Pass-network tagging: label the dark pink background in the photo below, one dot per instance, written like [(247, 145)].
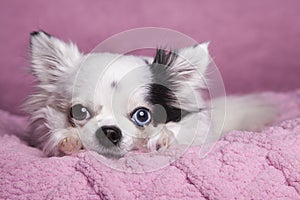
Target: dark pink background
[(254, 43)]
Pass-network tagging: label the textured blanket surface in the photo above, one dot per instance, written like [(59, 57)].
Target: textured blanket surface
[(242, 165)]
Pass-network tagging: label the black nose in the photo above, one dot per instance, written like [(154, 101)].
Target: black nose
[(109, 135)]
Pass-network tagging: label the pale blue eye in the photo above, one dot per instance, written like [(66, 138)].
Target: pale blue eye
[(79, 112), (141, 116)]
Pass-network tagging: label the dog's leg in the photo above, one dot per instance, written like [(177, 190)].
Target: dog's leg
[(70, 144), (161, 141)]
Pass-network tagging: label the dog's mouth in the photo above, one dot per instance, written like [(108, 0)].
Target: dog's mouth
[(120, 149)]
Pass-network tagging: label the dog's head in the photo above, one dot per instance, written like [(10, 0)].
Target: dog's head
[(115, 103)]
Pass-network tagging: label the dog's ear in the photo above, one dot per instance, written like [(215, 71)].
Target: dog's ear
[(187, 65), (178, 77), (181, 72), (51, 58), (192, 61)]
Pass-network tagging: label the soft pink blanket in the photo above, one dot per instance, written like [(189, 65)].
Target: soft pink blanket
[(242, 165)]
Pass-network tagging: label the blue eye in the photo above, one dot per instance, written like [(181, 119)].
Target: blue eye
[(141, 116)]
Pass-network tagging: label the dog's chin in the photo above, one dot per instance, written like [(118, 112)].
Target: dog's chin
[(110, 152)]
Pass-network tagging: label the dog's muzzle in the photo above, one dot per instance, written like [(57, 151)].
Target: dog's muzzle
[(109, 136)]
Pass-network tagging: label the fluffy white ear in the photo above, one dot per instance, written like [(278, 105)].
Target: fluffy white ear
[(174, 69), (51, 58), (197, 56), (181, 74)]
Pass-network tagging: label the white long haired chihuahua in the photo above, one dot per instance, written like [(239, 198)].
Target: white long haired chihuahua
[(113, 103)]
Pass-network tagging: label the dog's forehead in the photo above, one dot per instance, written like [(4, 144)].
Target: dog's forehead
[(103, 73), (111, 64)]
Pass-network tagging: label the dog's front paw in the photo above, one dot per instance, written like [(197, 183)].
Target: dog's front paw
[(162, 141), (69, 145)]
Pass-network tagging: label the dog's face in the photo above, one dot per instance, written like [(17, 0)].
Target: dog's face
[(115, 103)]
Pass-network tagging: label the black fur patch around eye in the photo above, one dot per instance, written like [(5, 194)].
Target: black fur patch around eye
[(161, 91), (163, 101)]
